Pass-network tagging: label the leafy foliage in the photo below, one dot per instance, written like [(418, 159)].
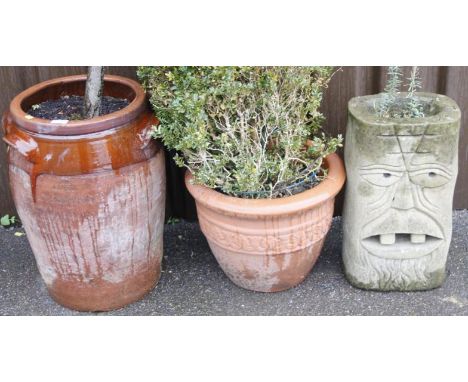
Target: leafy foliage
[(7, 220), (414, 105), (392, 104), (246, 131), (391, 90), (172, 220)]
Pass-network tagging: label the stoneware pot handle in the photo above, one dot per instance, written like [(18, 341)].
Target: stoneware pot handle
[(24, 144)]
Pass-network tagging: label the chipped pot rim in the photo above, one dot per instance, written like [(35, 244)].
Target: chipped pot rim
[(325, 190), (80, 127)]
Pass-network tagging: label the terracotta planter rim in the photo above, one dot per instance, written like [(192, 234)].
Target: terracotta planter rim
[(327, 189), (447, 110), (86, 126)]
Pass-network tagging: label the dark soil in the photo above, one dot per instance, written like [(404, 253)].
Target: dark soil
[(71, 107)]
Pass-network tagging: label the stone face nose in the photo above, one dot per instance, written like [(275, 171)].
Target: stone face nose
[(403, 198)]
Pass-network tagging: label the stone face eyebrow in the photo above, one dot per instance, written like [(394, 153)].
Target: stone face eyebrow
[(430, 166), (388, 160), (379, 166)]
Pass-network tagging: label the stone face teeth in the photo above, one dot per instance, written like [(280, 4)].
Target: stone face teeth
[(387, 239), (418, 238)]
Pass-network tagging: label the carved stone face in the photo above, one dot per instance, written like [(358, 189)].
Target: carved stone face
[(397, 218)]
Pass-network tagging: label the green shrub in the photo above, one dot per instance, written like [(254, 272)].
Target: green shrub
[(242, 130)]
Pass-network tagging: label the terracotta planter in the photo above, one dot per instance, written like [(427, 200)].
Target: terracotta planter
[(268, 245), (90, 194)]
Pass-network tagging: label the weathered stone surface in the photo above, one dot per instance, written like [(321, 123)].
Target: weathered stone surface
[(401, 176)]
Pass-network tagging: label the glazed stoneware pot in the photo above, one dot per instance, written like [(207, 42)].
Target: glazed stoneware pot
[(90, 195), (397, 217), (268, 245)]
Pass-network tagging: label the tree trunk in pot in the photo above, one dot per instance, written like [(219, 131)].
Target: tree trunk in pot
[(93, 93)]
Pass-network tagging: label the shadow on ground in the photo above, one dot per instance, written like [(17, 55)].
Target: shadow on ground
[(193, 284)]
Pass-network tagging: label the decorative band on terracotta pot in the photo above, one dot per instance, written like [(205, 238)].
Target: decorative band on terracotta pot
[(397, 217), (90, 194), (268, 245)]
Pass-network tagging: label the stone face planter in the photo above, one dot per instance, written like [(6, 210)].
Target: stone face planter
[(397, 217), (268, 245), (90, 194)]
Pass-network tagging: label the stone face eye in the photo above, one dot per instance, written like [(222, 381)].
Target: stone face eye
[(430, 179), (381, 178)]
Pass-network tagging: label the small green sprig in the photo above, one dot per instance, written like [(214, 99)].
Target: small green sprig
[(391, 90), (391, 105), (7, 220), (415, 84)]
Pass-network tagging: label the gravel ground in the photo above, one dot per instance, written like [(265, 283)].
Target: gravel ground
[(193, 284)]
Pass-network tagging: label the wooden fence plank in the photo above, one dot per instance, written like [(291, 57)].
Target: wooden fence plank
[(457, 88)]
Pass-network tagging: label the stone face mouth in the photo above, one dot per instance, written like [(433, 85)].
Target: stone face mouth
[(401, 245)]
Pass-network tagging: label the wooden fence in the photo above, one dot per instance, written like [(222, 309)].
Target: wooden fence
[(346, 83)]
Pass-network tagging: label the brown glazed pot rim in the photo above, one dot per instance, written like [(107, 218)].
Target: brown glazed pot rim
[(93, 125), (327, 189)]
